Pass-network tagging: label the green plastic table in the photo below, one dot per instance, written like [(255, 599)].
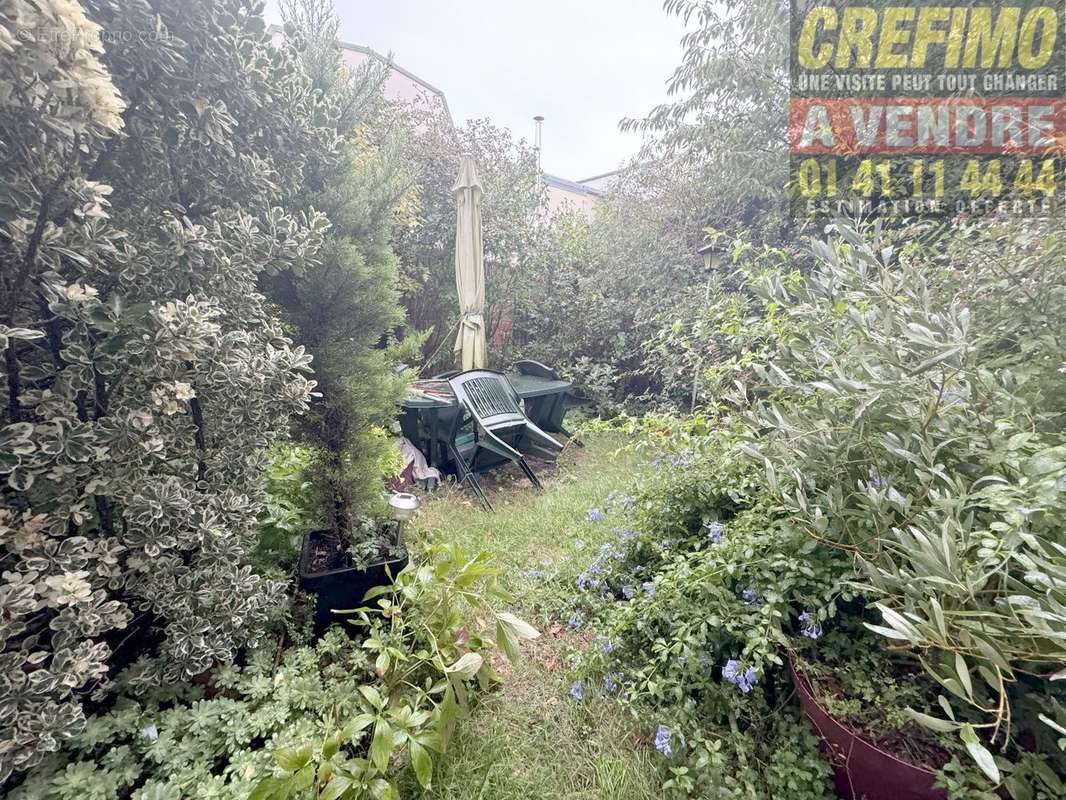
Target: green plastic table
[(428, 407)]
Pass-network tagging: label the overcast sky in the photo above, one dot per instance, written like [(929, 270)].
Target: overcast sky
[(582, 64)]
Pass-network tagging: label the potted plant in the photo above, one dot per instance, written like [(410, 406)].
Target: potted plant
[(864, 701), (340, 574), (863, 769)]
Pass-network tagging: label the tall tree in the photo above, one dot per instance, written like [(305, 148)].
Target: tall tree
[(344, 307), (728, 113)]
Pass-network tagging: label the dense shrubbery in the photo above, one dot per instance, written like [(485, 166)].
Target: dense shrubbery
[(145, 375), (344, 717), (893, 458), (598, 289), (915, 420), (693, 602)]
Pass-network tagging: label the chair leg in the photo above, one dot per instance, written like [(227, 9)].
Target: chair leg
[(466, 475), (529, 473), (476, 486)]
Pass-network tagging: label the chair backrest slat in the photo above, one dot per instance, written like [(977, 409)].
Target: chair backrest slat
[(489, 396)]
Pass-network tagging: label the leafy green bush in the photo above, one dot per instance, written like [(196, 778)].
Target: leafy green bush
[(343, 718), (345, 307), (915, 420), (692, 602), (288, 512), (144, 373)]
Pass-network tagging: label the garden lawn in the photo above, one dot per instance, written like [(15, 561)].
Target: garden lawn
[(529, 740)]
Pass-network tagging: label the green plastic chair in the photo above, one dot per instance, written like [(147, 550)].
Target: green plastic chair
[(499, 430)]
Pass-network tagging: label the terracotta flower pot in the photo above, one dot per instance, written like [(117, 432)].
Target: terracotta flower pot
[(861, 770)]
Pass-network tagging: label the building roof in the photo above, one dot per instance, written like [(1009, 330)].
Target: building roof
[(389, 62), (610, 174), (570, 186)]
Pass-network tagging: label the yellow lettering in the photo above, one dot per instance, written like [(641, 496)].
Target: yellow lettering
[(821, 18), (1047, 21), (857, 37), (893, 34), (991, 41), (926, 35)]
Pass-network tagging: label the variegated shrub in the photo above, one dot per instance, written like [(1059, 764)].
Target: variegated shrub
[(145, 153)]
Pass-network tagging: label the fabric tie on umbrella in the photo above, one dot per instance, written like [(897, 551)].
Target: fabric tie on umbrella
[(469, 268)]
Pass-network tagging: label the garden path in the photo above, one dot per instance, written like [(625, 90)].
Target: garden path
[(529, 740)]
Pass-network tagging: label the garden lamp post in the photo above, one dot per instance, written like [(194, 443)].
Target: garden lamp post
[(712, 260), (403, 505)]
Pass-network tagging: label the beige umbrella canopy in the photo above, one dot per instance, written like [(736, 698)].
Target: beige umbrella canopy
[(469, 268)]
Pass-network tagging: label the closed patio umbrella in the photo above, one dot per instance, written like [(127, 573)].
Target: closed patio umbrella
[(469, 268)]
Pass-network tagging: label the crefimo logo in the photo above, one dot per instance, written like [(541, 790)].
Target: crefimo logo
[(916, 108), (904, 37)]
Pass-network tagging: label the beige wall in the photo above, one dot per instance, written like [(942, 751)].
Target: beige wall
[(560, 199), (399, 87)]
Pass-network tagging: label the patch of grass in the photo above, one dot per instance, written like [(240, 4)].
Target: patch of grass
[(529, 740)]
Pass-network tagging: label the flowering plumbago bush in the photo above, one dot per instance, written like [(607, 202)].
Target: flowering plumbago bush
[(692, 600), (144, 374), (930, 446)]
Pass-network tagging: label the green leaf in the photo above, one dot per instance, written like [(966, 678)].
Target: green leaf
[(466, 667), (520, 628), (373, 696), (267, 788), (382, 789), (381, 746), (422, 764), (964, 675), (291, 759), (979, 753), (337, 786), (933, 723)]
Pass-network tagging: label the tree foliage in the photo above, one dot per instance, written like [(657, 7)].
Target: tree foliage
[(510, 210), (145, 374), (344, 307)]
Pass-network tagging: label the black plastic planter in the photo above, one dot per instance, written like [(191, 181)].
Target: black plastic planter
[(344, 587)]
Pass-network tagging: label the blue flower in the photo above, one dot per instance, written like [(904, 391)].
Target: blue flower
[(607, 646), (575, 620), (582, 581), (744, 680), (595, 515), (662, 741), (751, 597), (1027, 512), (610, 684), (628, 592), (715, 532), (1062, 482), (577, 690), (649, 588), (811, 628), (876, 481), (657, 464)]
